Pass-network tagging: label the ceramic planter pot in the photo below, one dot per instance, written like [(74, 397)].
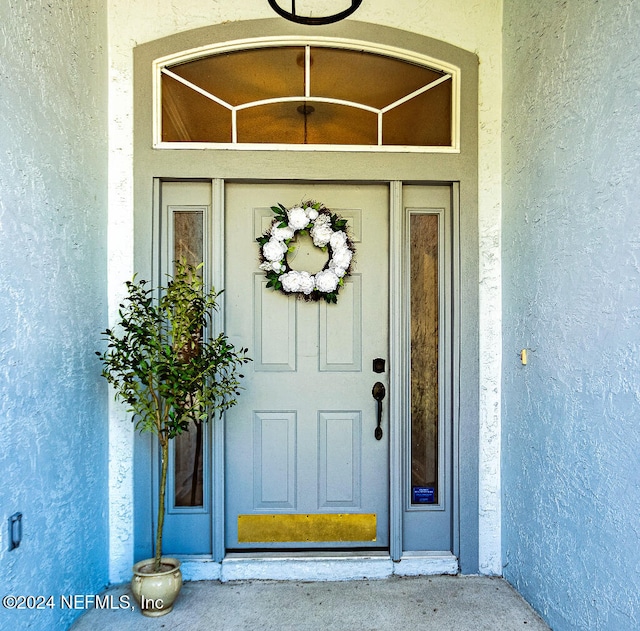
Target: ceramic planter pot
[(156, 592)]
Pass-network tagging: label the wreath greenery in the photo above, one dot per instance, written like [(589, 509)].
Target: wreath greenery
[(328, 231)]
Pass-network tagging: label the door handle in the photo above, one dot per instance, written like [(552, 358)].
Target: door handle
[(379, 392)]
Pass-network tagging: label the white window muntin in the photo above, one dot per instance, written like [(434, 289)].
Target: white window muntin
[(452, 73)]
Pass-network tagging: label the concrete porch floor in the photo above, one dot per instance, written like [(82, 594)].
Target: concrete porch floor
[(438, 603)]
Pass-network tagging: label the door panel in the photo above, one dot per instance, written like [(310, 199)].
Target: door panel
[(274, 449), (301, 440), (340, 341)]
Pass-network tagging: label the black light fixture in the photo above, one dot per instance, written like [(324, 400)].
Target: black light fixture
[(292, 16)]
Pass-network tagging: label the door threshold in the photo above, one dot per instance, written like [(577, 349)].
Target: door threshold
[(320, 567)]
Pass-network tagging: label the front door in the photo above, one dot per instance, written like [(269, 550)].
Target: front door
[(303, 466)]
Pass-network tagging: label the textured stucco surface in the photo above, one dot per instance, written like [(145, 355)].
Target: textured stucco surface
[(468, 24), (571, 267), (53, 411)]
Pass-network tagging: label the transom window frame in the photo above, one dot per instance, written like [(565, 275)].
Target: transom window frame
[(451, 72)]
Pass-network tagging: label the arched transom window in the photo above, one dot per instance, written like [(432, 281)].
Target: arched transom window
[(306, 95)]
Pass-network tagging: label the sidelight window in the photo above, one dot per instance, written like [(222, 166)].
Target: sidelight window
[(425, 335)]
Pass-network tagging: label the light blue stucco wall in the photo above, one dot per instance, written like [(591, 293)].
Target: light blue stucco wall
[(571, 266), (53, 416)]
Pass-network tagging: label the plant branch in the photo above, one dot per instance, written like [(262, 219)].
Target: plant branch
[(162, 366)]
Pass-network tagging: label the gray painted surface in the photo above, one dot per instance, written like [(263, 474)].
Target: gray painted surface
[(571, 474), (53, 403), (301, 438)]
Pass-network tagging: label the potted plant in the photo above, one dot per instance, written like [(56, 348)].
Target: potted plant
[(170, 375)]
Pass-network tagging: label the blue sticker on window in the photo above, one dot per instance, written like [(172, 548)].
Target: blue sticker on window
[(423, 495)]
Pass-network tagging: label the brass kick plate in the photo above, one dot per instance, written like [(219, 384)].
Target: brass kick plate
[(283, 528)]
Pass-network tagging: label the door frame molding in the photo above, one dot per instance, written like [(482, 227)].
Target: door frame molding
[(457, 169), (396, 372), (399, 322), (217, 258)]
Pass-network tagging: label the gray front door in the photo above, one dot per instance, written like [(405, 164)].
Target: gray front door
[(303, 468)]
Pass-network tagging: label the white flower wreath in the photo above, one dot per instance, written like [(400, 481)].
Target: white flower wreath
[(327, 230)]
